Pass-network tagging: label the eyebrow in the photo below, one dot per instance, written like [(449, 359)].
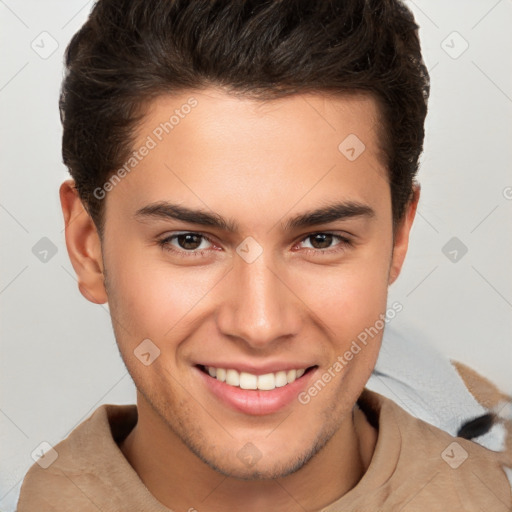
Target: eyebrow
[(330, 213)]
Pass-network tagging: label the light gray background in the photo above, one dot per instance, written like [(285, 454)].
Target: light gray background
[(59, 360)]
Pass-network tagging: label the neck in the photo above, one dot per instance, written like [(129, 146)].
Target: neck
[(181, 481)]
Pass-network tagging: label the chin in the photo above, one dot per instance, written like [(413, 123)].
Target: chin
[(270, 471), (250, 464)]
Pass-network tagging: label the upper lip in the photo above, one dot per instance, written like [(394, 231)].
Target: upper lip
[(259, 369)]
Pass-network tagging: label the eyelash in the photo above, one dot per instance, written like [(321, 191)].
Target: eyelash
[(343, 244)]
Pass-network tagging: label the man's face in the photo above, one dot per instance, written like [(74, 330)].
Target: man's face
[(265, 298)]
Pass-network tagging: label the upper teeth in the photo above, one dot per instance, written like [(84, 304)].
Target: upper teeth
[(246, 380)]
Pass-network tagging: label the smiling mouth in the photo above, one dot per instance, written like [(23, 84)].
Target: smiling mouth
[(249, 381)]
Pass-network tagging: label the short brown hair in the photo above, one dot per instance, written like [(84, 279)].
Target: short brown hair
[(131, 51)]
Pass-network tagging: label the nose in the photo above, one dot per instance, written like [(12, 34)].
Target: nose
[(258, 306)]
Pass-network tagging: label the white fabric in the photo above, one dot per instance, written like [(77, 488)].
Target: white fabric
[(421, 380)]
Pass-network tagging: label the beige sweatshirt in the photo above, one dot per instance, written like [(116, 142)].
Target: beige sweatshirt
[(415, 467)]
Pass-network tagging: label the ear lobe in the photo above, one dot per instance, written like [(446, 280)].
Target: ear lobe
[(83, 245), (401, 239)]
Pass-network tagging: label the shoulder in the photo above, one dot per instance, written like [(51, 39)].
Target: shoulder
[(45, 490), (438, 471), (81, 458)]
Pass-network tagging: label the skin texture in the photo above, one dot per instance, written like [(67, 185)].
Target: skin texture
[(259, 164)]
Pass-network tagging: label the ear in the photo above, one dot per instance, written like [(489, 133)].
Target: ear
[(83, 244), (401, 238)]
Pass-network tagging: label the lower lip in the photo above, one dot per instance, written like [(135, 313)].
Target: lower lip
[(256, 402)]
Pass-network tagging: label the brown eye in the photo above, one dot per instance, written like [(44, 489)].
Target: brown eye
[(189, 241), (321, 240), (186, 244), (325, 243)]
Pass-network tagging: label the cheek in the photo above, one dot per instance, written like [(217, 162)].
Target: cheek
[(348, 298), (150, 297)]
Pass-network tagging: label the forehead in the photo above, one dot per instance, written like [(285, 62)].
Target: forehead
[(205, 146), (218, 116)]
